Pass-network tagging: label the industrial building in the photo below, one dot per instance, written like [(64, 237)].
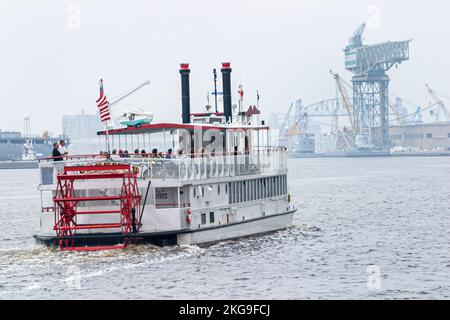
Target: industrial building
[(81, 126), (425, 136)]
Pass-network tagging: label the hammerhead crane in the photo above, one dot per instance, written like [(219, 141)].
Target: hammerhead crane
[(369, 65), (438, 102), (356, 39)]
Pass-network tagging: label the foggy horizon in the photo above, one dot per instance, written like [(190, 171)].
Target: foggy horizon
[(54, 53)]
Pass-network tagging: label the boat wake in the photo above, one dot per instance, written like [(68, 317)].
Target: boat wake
[(41, 268)]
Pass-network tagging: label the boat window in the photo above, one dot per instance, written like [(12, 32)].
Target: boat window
[(211, 217), (218, 189), (203, 218), (282, 185), (264, 188), (278, 185), (274, 186), (240, 192), (247, 191), (194, 192), (270, 186), (257, 189)]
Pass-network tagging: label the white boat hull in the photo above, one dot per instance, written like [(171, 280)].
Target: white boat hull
[(237, 230), (266, 224)]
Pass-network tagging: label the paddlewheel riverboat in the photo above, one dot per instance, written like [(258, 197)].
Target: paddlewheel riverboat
[(223, 180)]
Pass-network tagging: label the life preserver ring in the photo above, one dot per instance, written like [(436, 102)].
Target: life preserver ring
[(188, 216)]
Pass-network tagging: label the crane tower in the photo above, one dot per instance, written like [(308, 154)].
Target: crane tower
[(369, 64)]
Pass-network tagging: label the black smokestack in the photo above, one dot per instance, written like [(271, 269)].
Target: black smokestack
[(226, 80), (185, 96)]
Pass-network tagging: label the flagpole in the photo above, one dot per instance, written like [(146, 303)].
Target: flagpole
[(257, 99), (257, 106), (105, 114), (215, 89), (107, 138)]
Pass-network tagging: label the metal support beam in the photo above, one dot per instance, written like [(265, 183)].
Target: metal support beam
[(370, 100)]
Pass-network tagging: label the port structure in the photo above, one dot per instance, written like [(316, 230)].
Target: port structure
[(122, 206), (369, 64), (438, 102), (296, 124)]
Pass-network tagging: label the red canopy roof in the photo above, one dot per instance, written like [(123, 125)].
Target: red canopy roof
[(161, 127)]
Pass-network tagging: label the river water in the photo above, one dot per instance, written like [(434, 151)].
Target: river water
[(366, 228)]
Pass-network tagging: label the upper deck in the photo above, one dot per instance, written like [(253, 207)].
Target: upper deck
[(180, 169)]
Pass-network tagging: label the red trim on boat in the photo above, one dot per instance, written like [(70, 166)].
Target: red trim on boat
[(160, 127)]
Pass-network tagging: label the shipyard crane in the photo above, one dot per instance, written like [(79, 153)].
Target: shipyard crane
[(369, 64), (285, 125), (356, 39), (345, 99), (439, 103)]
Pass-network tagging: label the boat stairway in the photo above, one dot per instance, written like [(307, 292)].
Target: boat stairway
[(70, 204)]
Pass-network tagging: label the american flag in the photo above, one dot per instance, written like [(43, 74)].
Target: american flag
[(240, 91), (103, 105)]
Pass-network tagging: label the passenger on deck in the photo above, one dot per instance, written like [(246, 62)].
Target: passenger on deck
[(143, 153), (62, 149), (169, 154), (126, 154), (121, 153), (57, 156), (154, 153), (181, 155), (136, 153), (114, 154)]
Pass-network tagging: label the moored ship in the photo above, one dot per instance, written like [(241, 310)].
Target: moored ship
[(12, 145), (224, 181)]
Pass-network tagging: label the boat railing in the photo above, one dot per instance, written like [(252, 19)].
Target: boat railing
[(183, 168)]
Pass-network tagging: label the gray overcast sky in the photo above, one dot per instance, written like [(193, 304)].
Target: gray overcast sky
[(53, 52)]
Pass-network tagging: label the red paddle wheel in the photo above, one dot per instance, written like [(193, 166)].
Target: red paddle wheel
[(67, 199)]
